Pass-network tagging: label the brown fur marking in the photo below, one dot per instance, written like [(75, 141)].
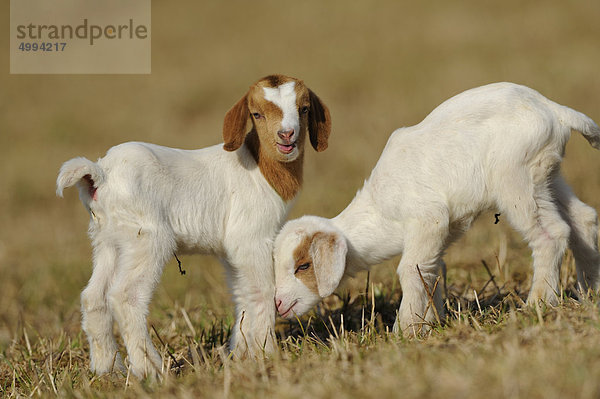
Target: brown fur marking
[(274, 80), (319, 123), (234, 125), (302, 256), (284, 177)]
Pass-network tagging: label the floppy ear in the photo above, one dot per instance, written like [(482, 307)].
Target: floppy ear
[(328, 252), (319, 122), (234, 126)]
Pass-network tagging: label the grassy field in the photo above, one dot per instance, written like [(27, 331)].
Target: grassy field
[(379, 66)]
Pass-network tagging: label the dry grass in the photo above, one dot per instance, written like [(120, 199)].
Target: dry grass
[(378, 66)]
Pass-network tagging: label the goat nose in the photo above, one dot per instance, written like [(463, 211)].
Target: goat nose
[(285, 134), (277, 304)]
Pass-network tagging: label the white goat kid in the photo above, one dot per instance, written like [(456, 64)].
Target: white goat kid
[(147, 202), (494, 147)]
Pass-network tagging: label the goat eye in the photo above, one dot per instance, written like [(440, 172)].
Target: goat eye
[(304, 110), (303, 266), (256, 115)]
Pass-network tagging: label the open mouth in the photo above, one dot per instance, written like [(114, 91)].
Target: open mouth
[(286, 148), (287, 312)]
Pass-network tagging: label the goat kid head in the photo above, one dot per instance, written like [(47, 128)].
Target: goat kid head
[(281, 109), (310, 260)]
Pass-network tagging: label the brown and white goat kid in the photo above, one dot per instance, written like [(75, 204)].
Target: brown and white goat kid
[(148, 202), (493, 147)]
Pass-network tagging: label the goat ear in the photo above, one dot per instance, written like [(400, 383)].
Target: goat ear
[(328, 252), (234, 126), (319, 123)]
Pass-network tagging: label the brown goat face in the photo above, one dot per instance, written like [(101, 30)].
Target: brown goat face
[(279, 110), (282, 110)]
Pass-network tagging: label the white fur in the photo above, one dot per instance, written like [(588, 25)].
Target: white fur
[(284, 97), (152, 201), (494, 147)]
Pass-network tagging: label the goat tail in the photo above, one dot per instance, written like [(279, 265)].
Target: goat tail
[(87, 175), (582, 123)]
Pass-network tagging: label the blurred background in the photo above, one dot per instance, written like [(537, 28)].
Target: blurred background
[(377, 65)]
